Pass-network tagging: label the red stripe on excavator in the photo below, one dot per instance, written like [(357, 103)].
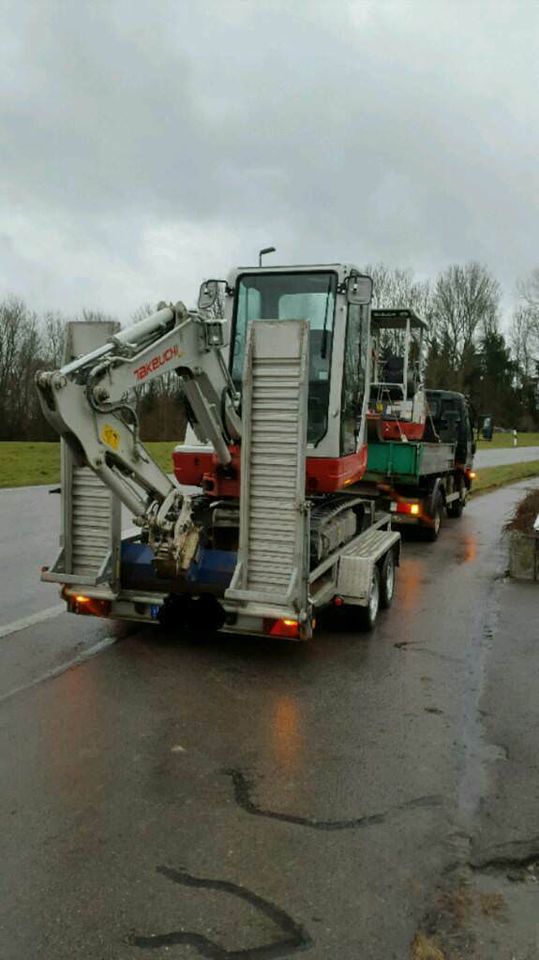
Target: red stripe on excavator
[(329, 474), (323, 474)]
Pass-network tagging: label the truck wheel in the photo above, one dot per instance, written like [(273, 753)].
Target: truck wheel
[(455, 508), (366, 616), (387, 580), (431, 533)]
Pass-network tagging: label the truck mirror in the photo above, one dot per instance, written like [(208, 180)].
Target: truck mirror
[(208, 294), (359, 289)]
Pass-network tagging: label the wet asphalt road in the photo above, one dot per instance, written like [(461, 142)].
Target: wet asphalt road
[(213, 797), (495, 458), (29, 521)]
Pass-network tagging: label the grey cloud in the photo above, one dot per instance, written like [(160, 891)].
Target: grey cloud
[(356, 130)]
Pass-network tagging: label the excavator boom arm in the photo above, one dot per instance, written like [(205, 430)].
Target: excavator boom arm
[(89, 401)]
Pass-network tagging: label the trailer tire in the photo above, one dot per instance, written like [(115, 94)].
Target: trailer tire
[(366, 617), (436, 515), (387, 580)]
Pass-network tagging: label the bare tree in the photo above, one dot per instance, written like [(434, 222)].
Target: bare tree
[(525, 324), (397, 288), (524, 338), (53, 337), (528, 289), (466, 300), (98, 316), (19, 359)]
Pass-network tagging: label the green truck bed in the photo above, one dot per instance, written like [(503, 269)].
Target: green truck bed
[(408, 462)]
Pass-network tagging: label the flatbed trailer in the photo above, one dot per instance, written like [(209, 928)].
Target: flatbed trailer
[(270, 535)]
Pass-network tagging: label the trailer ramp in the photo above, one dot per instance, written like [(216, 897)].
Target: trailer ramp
[(271, 575), (90, 513)]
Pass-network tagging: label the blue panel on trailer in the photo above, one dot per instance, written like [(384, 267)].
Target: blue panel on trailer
[(136, 552), (138, 557), (213, 566)]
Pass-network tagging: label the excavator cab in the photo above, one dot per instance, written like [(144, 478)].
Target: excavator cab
[(335, 299), (291, 296), (397, 408)]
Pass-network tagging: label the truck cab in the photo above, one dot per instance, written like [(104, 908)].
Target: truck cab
[(450, 420)]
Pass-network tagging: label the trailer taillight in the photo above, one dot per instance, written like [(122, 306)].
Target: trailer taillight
[(282, 628), (412, 509), (88, 606)]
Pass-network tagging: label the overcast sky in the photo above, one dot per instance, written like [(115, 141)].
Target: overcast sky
[(147, 145)]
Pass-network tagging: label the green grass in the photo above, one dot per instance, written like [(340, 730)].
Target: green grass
[(492, 477), (162, 453), (501, 440), (25, 464)]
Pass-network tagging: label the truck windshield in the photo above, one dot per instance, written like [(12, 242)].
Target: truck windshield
[(291, 296)]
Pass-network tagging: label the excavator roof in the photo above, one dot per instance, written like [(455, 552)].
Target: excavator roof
[(396, 319), (343, 269)]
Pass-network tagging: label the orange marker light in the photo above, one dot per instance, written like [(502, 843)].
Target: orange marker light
[(87, 606), (414, 509), (282, 628)]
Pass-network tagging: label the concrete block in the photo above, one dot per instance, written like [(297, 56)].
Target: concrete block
[(523, 556)]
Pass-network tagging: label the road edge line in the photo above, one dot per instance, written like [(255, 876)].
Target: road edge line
[(34, 618), (63, 668)]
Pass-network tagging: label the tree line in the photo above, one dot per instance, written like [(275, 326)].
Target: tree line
[(30, 342), (467, 350)]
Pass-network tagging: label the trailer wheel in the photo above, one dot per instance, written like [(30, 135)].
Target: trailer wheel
[(366, 616), (436, 515), (387, 580)]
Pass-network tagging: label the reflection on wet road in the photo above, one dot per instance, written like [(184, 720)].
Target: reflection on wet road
[(232, 798)]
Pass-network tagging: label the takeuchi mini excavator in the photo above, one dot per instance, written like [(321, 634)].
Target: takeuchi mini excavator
[(397, 407), (260, 526)]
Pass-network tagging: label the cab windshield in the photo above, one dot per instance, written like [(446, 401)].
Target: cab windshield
[(291, 296)]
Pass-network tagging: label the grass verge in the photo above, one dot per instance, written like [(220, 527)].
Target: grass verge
[(27, 464), (503, 440), (492, 477)]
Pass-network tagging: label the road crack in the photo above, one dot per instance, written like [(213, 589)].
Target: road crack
[(243, 789), (295, 937), (514, 864)]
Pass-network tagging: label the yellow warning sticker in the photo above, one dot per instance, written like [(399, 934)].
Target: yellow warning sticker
[(110, 436)]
